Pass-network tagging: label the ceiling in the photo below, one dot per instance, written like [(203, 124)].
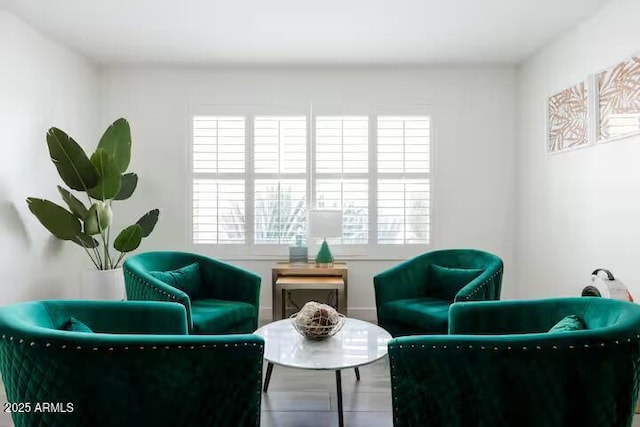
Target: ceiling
[(304, 32)]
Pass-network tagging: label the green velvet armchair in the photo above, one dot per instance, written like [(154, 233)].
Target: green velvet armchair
[(501, 367), (139, 367), (413, 298), (219, 298)]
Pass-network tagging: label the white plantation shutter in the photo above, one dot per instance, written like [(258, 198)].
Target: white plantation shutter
[(352, 196), (342, 144), (280, 186), (280, 144), (280, 210), (218, 193), (342, 172), (403, 211), (403, 144), (218, 144), (403, 187), (252, 186), (218, 211)]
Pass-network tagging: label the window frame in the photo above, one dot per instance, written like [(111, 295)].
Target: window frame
[(367, 252)]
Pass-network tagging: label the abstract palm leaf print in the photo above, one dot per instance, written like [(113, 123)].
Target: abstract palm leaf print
[(619, 99), (568, 118)]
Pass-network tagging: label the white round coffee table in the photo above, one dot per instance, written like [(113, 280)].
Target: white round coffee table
[(358, 343)]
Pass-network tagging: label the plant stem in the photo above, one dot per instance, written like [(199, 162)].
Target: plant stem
[(97, 252), (100, 264), (89, 253), (119, 259), (91, 258), (106, 250), (106, 247)]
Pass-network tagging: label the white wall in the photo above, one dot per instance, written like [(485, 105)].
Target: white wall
[(473, 117), (577, 210), (42, 84)]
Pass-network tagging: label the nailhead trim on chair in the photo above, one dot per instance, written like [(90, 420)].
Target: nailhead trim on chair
[(525, 348), (482, 285), (149, 285), (167, 347)]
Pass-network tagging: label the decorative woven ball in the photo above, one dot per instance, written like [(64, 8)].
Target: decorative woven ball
[(317, 321)]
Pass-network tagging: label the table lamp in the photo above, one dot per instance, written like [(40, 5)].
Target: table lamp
[(325, 223)]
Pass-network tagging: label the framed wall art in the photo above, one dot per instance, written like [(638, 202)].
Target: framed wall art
[(619, 100), (567, 119)]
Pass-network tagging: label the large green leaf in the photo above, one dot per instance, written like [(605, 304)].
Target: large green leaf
[(72, 163), (148, 222), (128, 186), (116, 140), (129, 239), (76, 206), (110, 179), (85, 241), (98, 218), (59, 221)]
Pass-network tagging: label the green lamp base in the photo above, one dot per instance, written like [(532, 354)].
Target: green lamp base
[(324, 257)]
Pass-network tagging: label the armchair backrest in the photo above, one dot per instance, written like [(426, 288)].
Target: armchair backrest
[(500, 367), (486, 286), (158, 376), (410, 278)]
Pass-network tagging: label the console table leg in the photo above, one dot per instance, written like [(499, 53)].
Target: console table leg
[(357, 374), (339, 387), (267, 377)]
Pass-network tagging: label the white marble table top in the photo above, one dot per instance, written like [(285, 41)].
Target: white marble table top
[(357, 343)]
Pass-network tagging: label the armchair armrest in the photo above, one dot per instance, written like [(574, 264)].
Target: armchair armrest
[(483, 288), (141, 286), (132, 317), (406, 280)]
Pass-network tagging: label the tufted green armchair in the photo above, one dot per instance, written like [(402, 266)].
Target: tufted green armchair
[(138, 368), (413, 298), (225, 300), (500, 367)]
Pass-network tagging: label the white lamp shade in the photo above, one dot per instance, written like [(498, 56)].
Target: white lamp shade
[(325, 223)]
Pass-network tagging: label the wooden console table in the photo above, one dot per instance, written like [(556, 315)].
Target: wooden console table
[(286, 277)]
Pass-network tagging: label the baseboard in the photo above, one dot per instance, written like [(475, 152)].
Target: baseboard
[(366, 314)]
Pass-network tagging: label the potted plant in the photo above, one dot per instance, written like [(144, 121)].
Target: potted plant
[(103, 178)]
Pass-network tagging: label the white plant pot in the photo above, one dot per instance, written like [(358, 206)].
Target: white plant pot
[(103, 284)]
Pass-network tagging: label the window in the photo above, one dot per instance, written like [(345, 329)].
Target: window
[(403, 194), (256, 176), (280, 172), (219, 180), (342, 173)]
